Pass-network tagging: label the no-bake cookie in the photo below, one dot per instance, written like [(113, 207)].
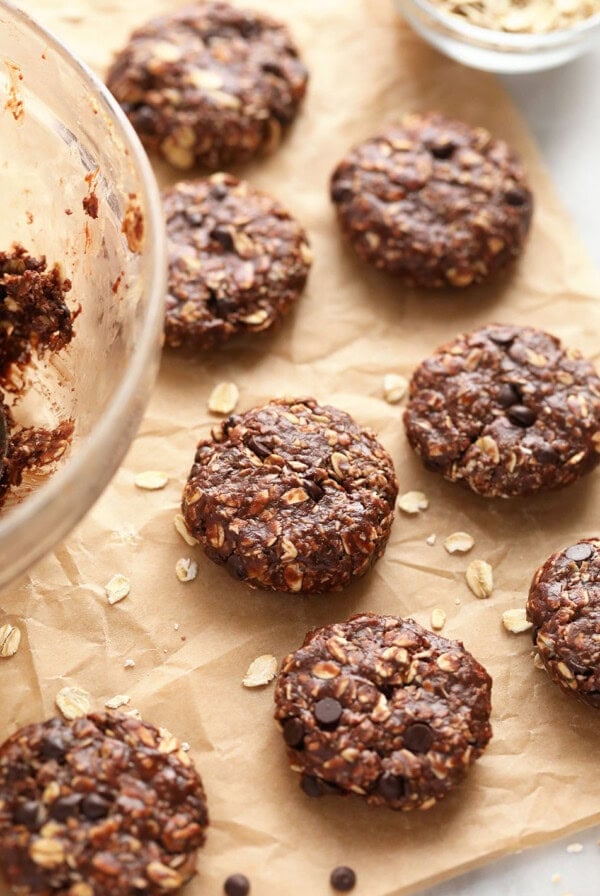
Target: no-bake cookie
[(506, 410), (103, 804), (564, 607), (210, 84), (435, 201), (237, 261), (383, 708), (292, 496)]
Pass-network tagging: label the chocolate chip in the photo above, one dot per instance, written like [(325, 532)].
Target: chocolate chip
[(29, 814), (93, 807), (502, 335), (312, 786), (237, 885), (145, 120), (578, 669), (313, 489), (218, 191), (223, 237), (521, 415), (341, 194), (515, 197), (258, 447), (236, 566), (328, 711), (547, 455), (271, 68), (53, 747), (443, 149), (293, 732), (342, 879), (65, 806), (391, 787), (579, 552), (507, 395), (418, 738)]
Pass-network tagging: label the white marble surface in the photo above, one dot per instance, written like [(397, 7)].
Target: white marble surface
[(563, 109)]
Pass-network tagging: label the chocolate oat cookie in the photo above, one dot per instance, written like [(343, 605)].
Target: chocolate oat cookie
[(564, 606), (237, 261), (381, 707), (103, 804), (209, 85), (433, 200), (292, 496), (507, 411)]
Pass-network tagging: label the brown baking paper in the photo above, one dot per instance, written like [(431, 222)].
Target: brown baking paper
[(192, 643)]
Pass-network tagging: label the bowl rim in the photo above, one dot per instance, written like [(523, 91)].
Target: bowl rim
[(54, 491), (508, 39)]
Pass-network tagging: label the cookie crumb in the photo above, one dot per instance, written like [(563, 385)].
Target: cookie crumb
[(223, 398), (261, 671), (538, 661), (151, 480), (186, 569), (73, 702), (182, 529), (10, 638), (395, 387), (176, 626), (129, 664), (117, 588), (516, 621), (117, 701), (431, 539), (459, 543), (413, 502), (556, 878)]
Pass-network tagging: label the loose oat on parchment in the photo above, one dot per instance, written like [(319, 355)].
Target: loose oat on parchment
[(521, 16)]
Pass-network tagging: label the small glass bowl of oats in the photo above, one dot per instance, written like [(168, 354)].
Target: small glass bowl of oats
[(507, 36), (79, 192)]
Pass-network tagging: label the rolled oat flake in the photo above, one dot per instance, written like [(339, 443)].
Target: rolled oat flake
[(521, 16)]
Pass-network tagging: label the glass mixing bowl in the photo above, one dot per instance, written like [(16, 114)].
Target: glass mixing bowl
[(65, 140), (498, 51)]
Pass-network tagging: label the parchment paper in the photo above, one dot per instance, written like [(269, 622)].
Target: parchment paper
[(193, 642)]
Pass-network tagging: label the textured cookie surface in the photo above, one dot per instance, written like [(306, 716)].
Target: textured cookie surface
[(103, 804), (435, 201), (564, 606), (237, 261), (506, 410), (210, 84), (292, 496), (383, 708)]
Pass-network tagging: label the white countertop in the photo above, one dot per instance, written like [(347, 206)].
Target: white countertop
[(563, 109)]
